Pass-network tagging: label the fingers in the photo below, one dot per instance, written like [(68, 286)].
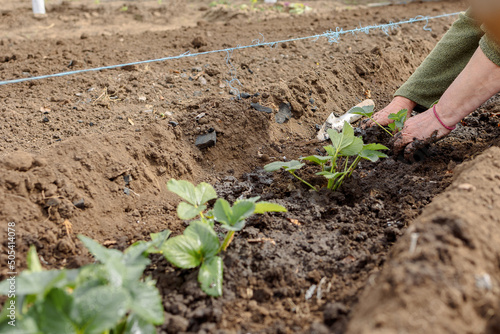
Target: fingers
[(413, 146), (399, 142)]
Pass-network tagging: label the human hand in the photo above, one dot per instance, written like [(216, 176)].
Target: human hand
[(382, 116), (418, 132)]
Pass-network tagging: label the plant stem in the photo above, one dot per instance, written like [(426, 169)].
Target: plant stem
[(354, 165), (227, 240), (383, 127), (304, 181)]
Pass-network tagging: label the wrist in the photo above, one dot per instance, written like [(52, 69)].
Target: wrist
[(404, 103)]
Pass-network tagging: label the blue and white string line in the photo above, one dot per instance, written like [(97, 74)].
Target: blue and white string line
[(331, 36)]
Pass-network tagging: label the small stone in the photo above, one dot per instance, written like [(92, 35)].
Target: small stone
[(284, 113), (91, 124), (80, 204), (173, 123), (129, 68), (142, 99), (245, 95), (197, 69), (466, 187), (202, 81), (206, 140), (53, 201), (311, 100), (317, 127), (45, 119), (259, 107), (84, 36)]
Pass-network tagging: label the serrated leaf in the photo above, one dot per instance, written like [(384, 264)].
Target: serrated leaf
[(211, 275), (204, 193), (99, 309), (186, 211), (183, 189), (183, 252), (232, 218), (53, 315), (33, 261), (196, 196), (318, 159), (352, 149), (206, 236), (263, 207), (146, 302), (343, 139)]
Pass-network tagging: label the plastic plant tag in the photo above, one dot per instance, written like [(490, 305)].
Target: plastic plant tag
[(337, 123)]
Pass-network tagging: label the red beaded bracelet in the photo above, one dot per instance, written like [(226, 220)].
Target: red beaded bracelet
[(440, 121)]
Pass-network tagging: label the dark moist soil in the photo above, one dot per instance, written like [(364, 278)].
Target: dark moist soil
[(335, 241)]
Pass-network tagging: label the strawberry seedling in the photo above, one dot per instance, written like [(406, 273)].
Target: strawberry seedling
[(199, 245), (291, 167), (344, 146), (105, 297), (399, 118)]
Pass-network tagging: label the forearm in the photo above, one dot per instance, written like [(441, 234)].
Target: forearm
[(477, 83), (444, 63)]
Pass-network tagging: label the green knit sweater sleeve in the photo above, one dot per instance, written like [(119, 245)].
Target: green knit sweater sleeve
[(445, 62), (490, 48)]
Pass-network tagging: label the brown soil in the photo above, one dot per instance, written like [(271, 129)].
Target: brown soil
[(90, 154)]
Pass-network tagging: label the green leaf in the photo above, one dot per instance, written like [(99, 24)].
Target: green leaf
[(187, 251), (206, 236), (352, 149), (204, 193), (318, 159), (196, 196), (290, 166), (53, 314), (187, 211), (33, 261), (366, 111), (371, 155), (263, 207), (146, 302), (34, 283), (330, 176), (343, 139), (183, 252), (399, 119), (211, 275), (137, 325), (99, 309), (233, 219), (184, 189), (392, 126), (100, 252), (157, 241), (374, 147)]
